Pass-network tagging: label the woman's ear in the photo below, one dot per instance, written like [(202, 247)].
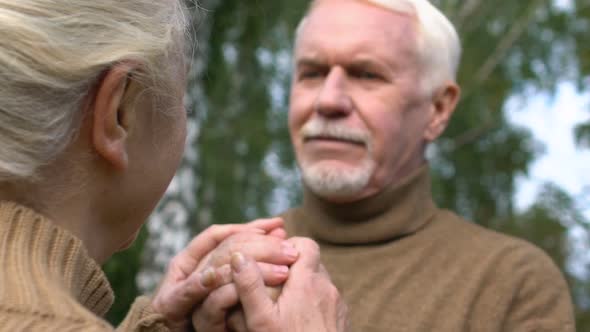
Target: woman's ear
[(111, 118), (443, 105)]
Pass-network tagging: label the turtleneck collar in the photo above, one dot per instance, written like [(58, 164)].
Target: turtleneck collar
[(36, 251), (398, 210)]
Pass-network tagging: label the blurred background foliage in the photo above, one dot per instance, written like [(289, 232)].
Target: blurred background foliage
[(239, 164)]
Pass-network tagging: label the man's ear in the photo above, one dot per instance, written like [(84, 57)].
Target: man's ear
[(111, 118), (444, 103)]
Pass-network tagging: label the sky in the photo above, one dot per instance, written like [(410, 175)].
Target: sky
[(551, 120)]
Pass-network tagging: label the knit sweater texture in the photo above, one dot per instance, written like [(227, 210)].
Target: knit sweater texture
[(48, 282), (402, 264)]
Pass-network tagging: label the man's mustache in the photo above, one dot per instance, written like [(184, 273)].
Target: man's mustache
[(317, 128)]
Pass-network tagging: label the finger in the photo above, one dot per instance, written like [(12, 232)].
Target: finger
[(278, 232), (188, 259), (267, 224), (236, 322), (211, 314), (309, 254), (273, 275), (198, 285), (251, 290), (179, 298), (225, 275), (261, 248), (322, 271)]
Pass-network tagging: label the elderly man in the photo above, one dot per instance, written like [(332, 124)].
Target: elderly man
[(373, 85)]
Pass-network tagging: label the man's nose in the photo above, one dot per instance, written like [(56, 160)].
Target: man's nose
[(333, 99)]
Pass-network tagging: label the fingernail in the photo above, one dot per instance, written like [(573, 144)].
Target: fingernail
[(281, 269), (289, 250), (238, 262), (208, 278)]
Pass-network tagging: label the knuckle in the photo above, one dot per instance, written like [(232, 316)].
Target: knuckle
[(325, 286), (235, 246), (332, 292), (225, 274), (260, 220), (214, 229), (306, 244), (235, 238), (174, 262), (217, 259), (308, 248)]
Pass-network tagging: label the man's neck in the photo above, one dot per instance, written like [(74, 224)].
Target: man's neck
[(398, 210)]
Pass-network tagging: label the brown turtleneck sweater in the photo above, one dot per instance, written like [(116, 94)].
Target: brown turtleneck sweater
[(404, 265), (49, 283)]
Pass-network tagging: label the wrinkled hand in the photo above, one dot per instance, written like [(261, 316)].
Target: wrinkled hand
[(272, 254), (308, 301), (183, 286)]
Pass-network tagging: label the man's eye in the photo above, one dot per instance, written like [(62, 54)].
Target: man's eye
[(365, 75), (310, 74)]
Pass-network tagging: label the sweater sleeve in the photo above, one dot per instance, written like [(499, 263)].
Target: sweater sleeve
[(541, 302), (141, 317)]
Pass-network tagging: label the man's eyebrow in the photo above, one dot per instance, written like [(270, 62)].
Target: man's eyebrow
[(364, 61), (353, 63), (309, 61)]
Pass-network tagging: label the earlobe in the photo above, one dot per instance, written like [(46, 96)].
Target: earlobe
[(443, 105), (110, 123)]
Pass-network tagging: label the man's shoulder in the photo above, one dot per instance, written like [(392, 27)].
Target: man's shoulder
[(465, 232), (472, 240), (513, 274)]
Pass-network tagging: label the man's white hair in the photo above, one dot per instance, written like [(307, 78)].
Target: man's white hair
[(438, 42)]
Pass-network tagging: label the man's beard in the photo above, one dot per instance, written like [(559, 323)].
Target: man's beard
[(342, 182), (337, 182)]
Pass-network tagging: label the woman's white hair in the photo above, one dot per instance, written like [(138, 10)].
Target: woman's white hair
[(52, 53), (438, 42)]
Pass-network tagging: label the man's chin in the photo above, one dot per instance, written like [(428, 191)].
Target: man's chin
[(337, 184)]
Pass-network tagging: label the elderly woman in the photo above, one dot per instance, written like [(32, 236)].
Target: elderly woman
[(92, 129)]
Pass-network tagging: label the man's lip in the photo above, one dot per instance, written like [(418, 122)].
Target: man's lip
[(332, 139)]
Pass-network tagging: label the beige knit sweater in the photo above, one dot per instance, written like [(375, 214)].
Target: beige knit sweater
[(49, 283), (404, 265)]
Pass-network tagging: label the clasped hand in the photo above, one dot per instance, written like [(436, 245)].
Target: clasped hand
[(249, 278)]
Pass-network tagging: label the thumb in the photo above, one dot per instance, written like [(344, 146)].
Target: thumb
[(257, 305)]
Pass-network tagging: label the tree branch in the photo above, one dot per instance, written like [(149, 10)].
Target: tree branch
[(507, 43)]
